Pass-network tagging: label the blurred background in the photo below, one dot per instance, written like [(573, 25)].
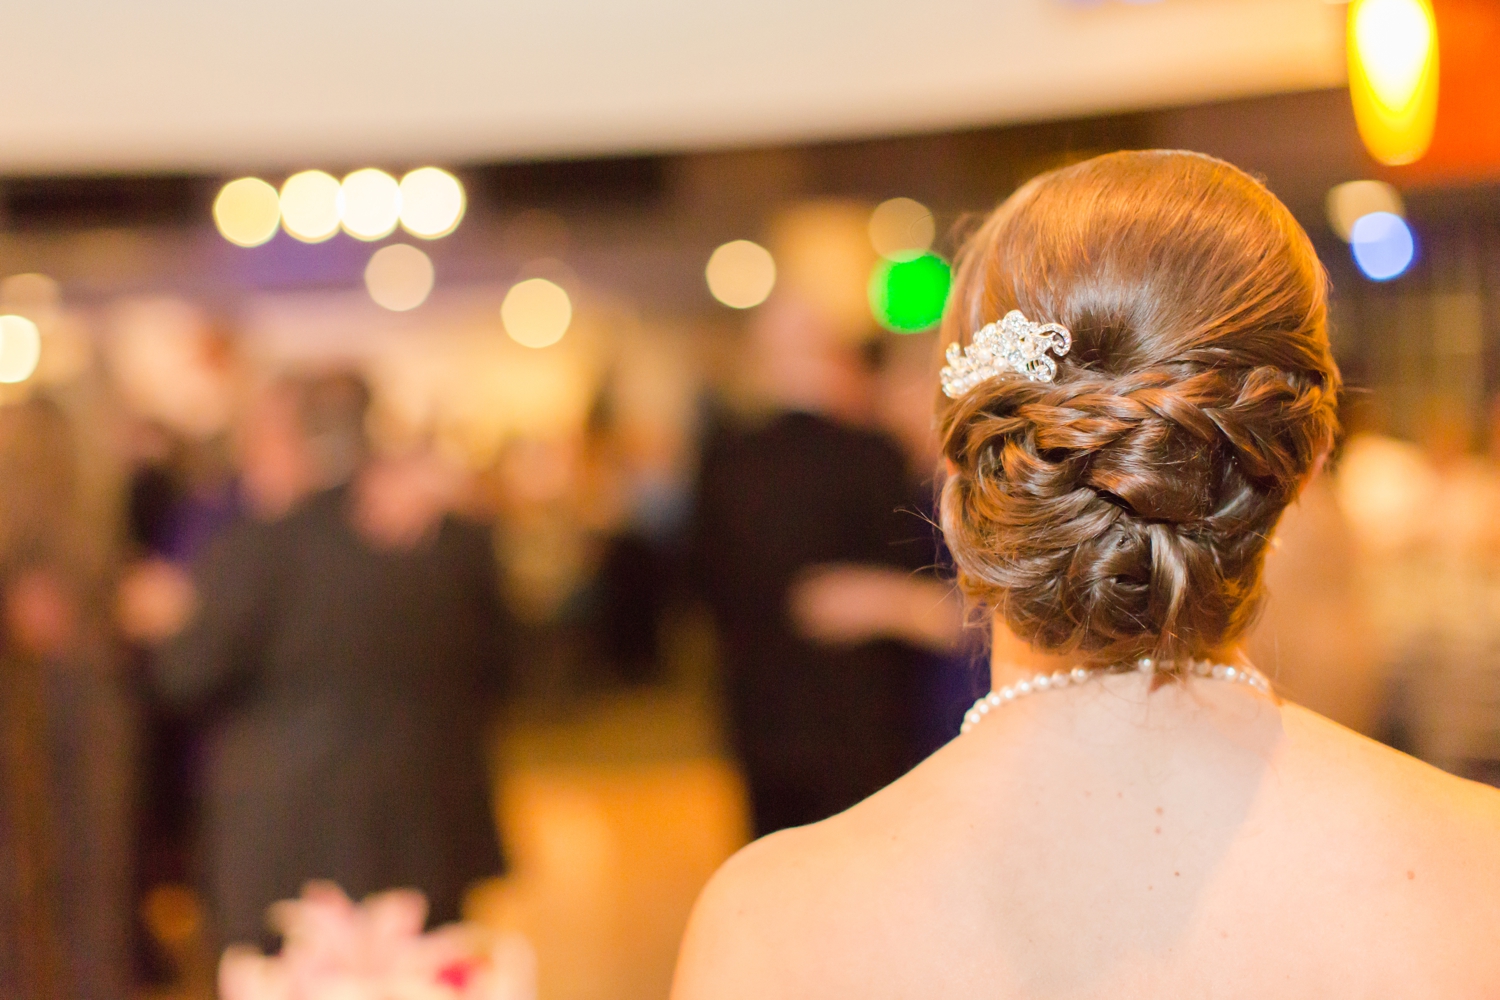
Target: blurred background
[(491, 443)]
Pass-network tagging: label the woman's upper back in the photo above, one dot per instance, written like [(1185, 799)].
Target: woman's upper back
[(1102, 842)]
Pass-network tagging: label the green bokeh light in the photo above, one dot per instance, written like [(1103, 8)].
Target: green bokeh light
[(908, 296)]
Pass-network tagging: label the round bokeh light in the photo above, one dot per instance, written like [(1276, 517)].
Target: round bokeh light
[(399, 277), (310, 206), (741, 274), (20, 348), (1351, 201), (901, 228), (1383, 245), (247, 211), (908, 296), (432, 202), (536, 312), (371, 204)]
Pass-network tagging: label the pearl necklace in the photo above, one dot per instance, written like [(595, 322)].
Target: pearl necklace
[(1063, 678)]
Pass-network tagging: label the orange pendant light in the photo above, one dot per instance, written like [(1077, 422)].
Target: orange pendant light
[(1393, 76)]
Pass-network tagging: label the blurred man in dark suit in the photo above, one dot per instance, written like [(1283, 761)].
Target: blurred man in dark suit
[(819, 721), (346, 653)]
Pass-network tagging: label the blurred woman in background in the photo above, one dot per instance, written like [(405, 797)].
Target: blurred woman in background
[(68, 753)]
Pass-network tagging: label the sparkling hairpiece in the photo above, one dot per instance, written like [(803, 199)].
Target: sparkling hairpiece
[(1014, 344)]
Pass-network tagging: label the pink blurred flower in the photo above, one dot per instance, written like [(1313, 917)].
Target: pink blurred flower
[(335, 949)]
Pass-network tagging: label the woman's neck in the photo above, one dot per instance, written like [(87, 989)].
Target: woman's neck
[(1012, 658)]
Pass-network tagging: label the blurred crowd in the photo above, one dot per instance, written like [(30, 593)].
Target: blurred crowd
[(268, 649), (278, 649)]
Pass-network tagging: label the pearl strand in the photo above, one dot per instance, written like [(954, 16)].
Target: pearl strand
[(1063, 678)]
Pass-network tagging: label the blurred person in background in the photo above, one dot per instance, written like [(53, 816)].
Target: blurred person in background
[(546, 532), (346, 644), (180, 493), (821, 699), (953, 673), (67, 730), (178, 374), (1427, 518), (914, 603), (642, 434), (1313, 638)]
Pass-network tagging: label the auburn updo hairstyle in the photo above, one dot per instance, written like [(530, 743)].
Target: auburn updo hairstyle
[(1124, 509)]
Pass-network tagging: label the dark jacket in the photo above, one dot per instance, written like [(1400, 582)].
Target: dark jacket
[(817, 728), (348, 693)]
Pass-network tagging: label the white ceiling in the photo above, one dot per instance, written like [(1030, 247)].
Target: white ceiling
[(217, 85)]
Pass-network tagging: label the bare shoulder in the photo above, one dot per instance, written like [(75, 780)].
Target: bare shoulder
[(1432, 839), (752, 918), (1375, 858), (819, 910), (1458, 812)]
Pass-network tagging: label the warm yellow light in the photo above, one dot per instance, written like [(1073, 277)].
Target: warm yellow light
[(432, 202), (20, 348), (310, 206), (901, 229), (371, 204), (1393, 76), (247, 211), (399, 277), (536, 312), (741, 274), (1393, 38), (1353, 200)]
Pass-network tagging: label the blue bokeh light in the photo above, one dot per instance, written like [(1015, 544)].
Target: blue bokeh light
[(1383, 245)]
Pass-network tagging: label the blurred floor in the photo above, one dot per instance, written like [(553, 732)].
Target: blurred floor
[(614, 820)]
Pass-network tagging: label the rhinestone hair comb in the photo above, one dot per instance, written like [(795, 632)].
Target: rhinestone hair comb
[(1014, 344)]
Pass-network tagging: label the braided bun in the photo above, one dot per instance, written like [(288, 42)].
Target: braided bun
[(1124, 509)]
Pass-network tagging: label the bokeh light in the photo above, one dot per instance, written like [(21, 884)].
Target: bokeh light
[(1352, 200), (741, 274), (247, 211), (371, 204), (908, 296), (1393, 76), (1393, 38), (399, 277), (1383, 245), (310, 206), (20, 348), (901, 228), (536, 312), (432, 202)]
